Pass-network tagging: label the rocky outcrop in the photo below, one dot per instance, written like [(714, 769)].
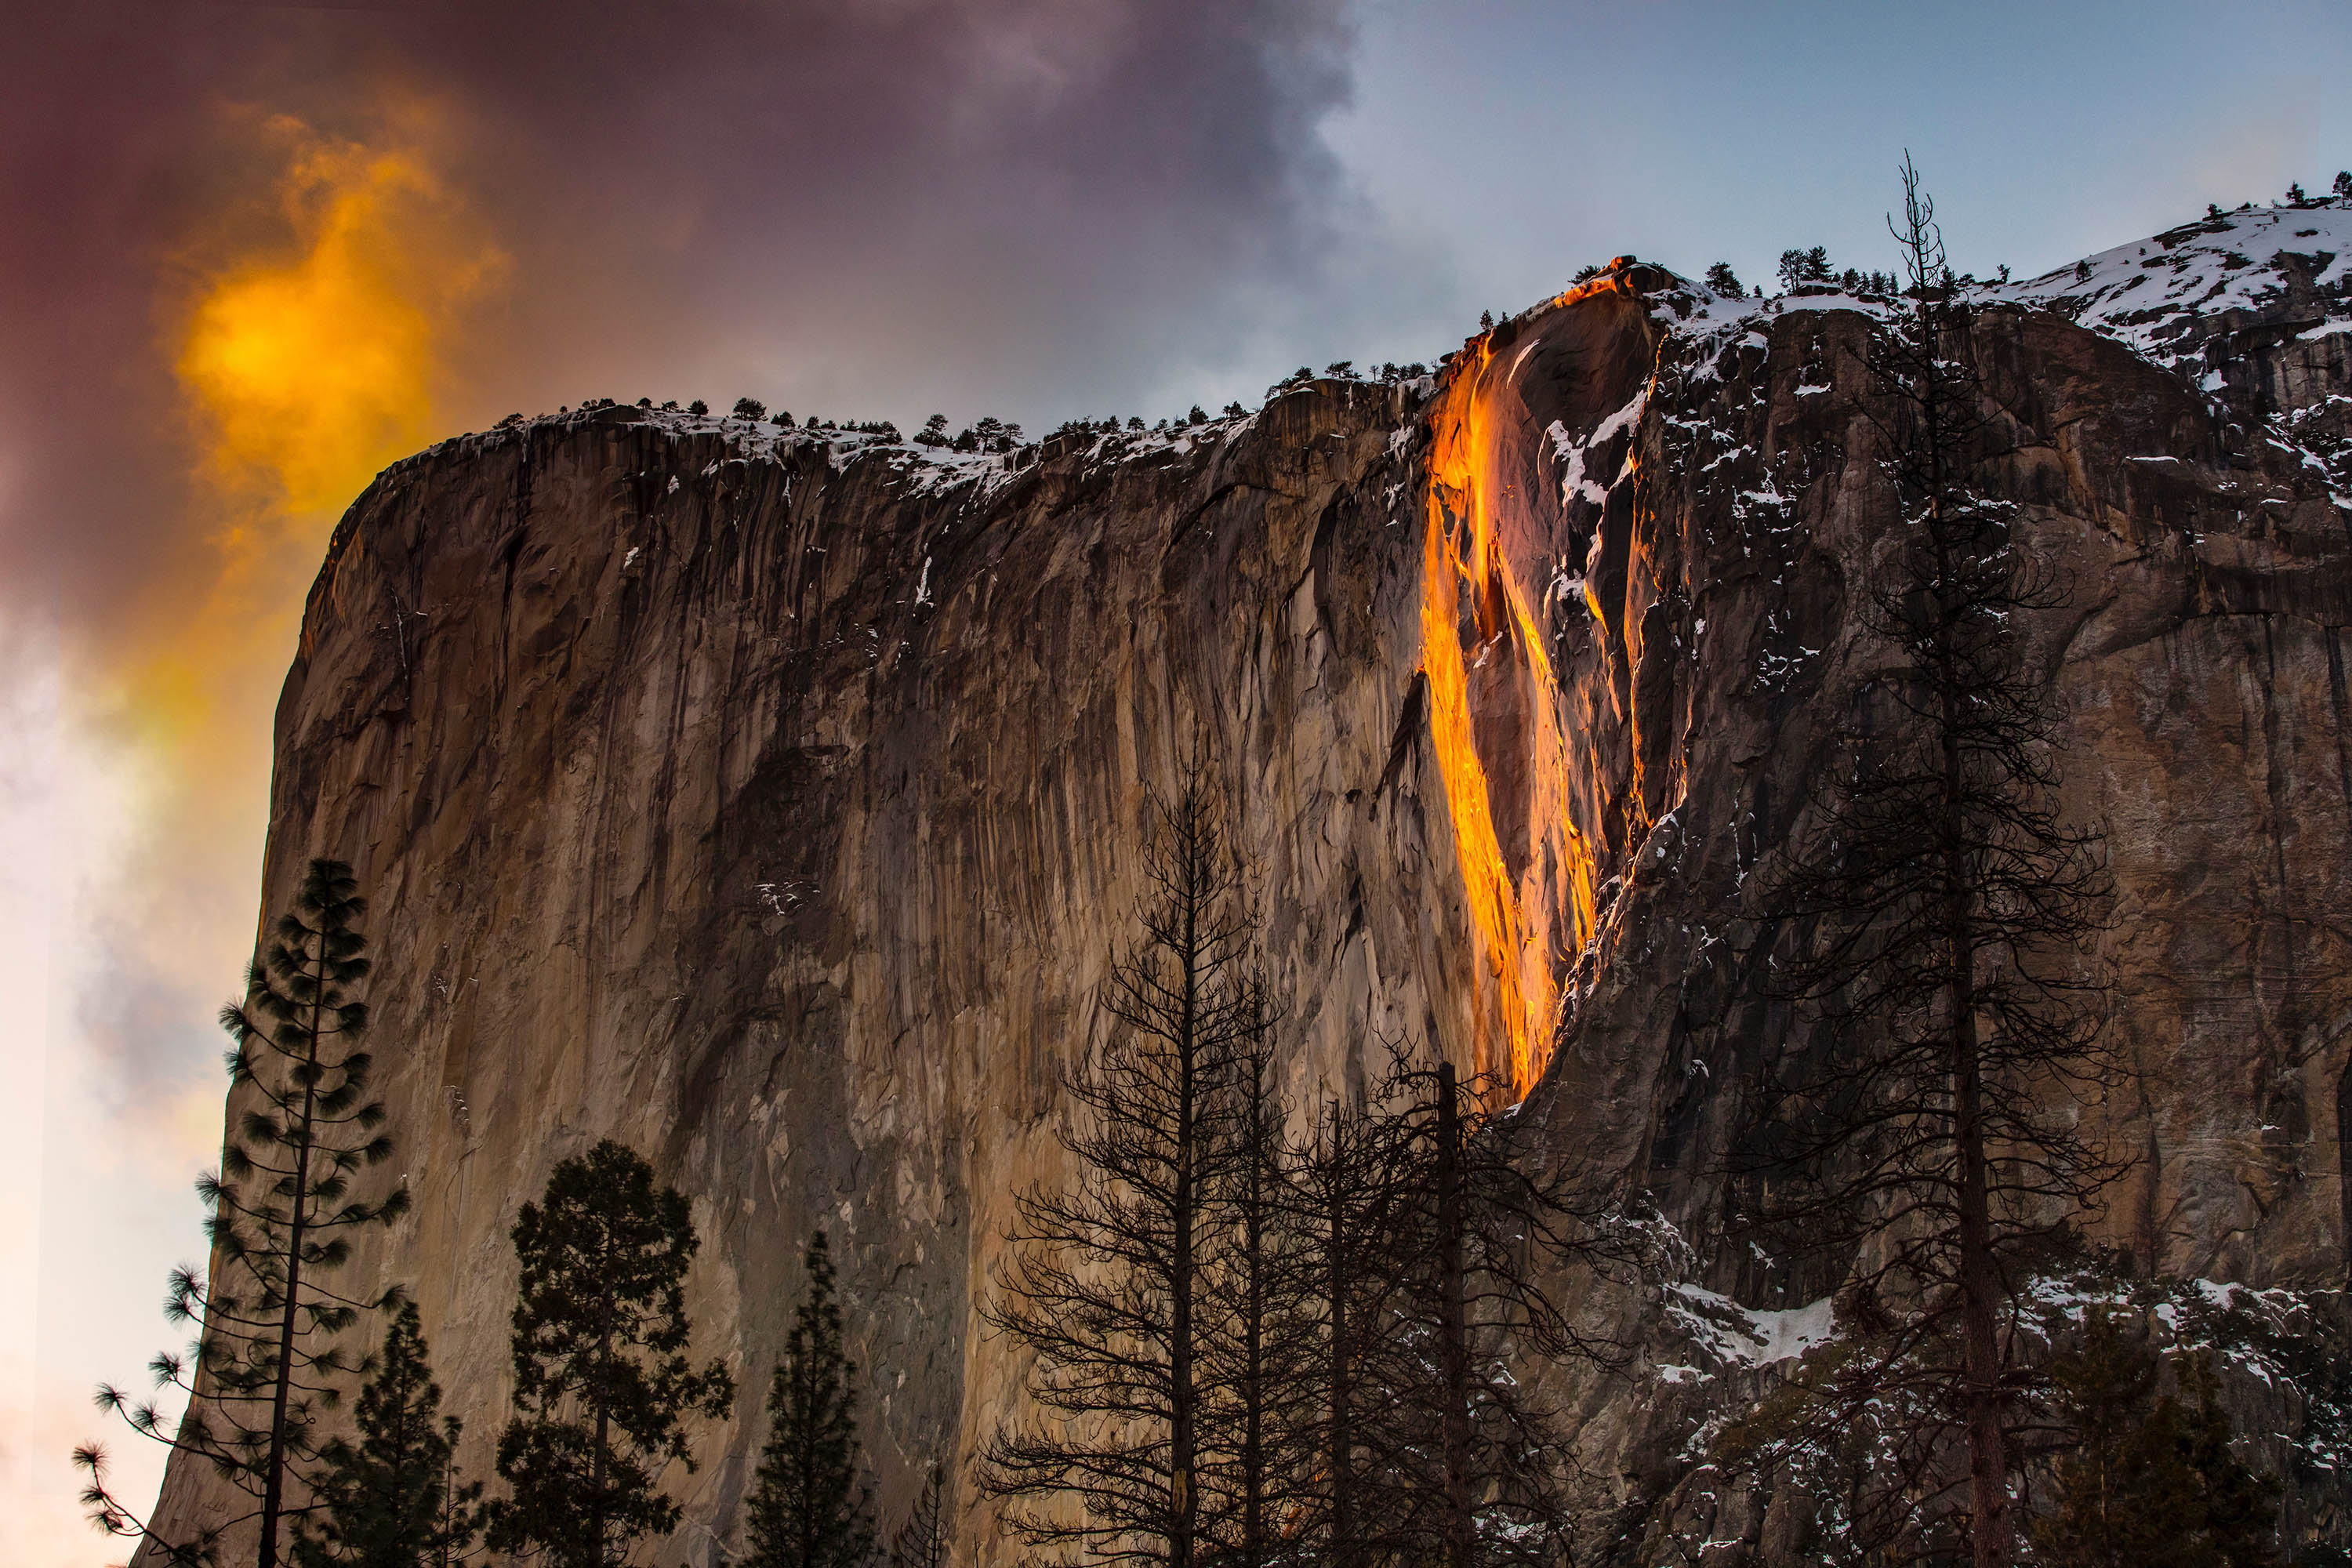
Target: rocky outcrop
[(773, 800)]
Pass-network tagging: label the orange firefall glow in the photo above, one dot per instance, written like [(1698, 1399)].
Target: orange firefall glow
[(1531, 928)]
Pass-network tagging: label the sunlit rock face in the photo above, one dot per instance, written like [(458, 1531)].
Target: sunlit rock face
[(774, 802)]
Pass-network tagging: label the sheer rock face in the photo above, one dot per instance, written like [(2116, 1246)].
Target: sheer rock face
[(776, 805)]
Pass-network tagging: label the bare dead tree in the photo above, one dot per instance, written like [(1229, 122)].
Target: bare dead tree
[(1105, 1281), (1256, 1358), (1348, 1194), (1935, 923), (1486, 1211)]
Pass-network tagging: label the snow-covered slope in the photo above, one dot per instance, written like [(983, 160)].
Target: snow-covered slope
[(2287, 270), (2253, 308)]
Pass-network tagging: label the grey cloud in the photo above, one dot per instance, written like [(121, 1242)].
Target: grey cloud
[(1033, 207)]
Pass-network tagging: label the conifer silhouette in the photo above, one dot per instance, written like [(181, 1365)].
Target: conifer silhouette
[(1107, 1282), (2148, 1479), (603, 1385), (810, 1506), (393, 1499), (922, 1542), (1937, 919), (269, 1360)]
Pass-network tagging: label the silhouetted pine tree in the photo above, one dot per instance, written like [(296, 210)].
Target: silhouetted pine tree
[(393, 1499), (1104, 1283), (1936, 919), (810, 1506), (922, 1540), (601, 1383), (268, 1357), (1798, 267)]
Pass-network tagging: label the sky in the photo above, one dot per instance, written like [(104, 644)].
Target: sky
[(251, 250)]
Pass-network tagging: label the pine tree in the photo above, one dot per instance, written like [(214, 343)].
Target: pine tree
[(603, 1385), (922, 1540), (1799, 267), (2149, 1481), (1105, 1282), (2235, 1504), (268, 1361), (1936, 921), (393, 1499), (1724, 282), (810, 1506), (2107, 1483)]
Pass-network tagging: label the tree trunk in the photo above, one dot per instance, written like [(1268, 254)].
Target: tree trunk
[(1342, 1455), (1452, 1328), (1990, 1529), (1183, 1437), (603, 1428), (1254, 1389), (1989, 1502), (273, 1480)]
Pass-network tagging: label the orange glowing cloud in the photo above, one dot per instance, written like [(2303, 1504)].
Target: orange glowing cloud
[(312, 365), (313, 335), (308, 353)]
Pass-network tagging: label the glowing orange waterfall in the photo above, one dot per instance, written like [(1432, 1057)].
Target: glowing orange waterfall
[(1529, 926)]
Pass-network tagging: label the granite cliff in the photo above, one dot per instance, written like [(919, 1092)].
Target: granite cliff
[(771, 798)]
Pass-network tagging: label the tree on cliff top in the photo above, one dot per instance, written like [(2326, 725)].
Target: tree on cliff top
[(268, 1357), (1799, 267), (810, 1506), (393, 1499), (1939, 919), (1104, 1282), (603, 1386)]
